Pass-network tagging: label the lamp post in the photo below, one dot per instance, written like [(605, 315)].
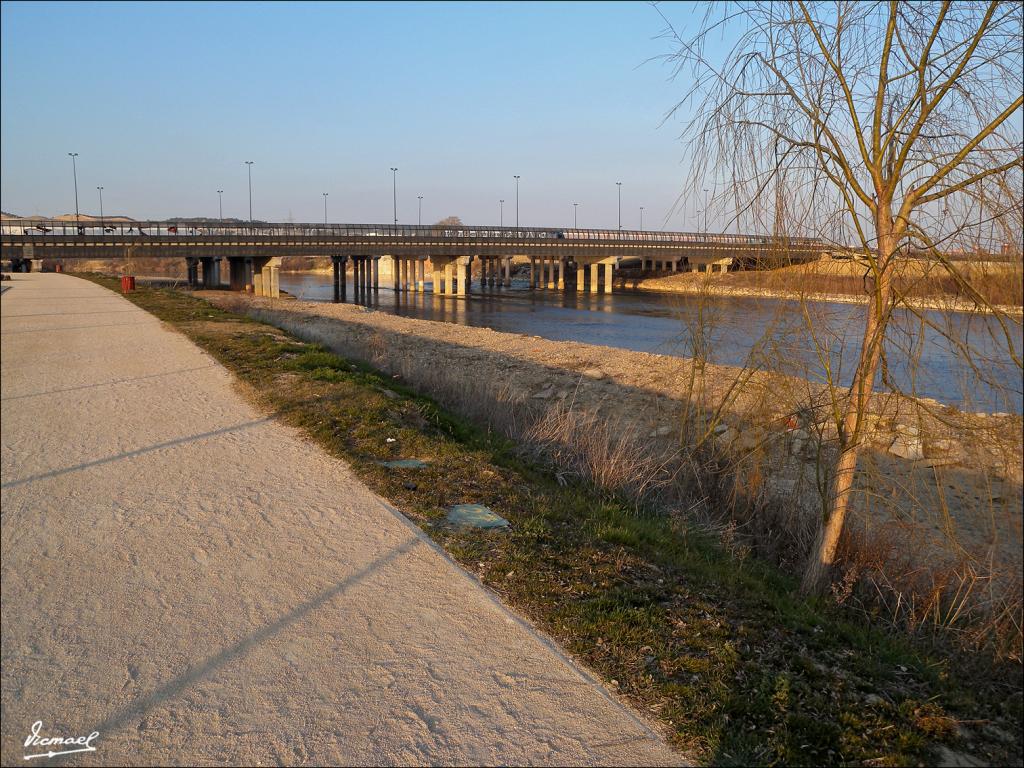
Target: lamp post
[(74, 171), (619, 185), (574, 206), (705, 211), (325, 208), (220, 203), (394, 193), (419, 210), (248, 164), (100, 190), (641, 218), (501, 213), (517, 199)]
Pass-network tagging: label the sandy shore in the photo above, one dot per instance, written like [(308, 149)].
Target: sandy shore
[(198, 584)]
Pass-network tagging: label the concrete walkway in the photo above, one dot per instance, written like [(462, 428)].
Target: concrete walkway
[(201, 585)]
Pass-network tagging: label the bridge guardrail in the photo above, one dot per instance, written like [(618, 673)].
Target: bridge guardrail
[(46, 228)]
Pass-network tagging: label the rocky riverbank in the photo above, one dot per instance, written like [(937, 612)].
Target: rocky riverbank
[(942, 483)]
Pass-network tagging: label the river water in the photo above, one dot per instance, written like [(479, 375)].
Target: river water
[(923, 356)]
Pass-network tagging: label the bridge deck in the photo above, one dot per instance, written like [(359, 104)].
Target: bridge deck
[(64, 239)]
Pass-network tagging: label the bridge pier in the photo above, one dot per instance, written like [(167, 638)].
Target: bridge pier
[(211, 272), (462, 275), (339, 265), (449, 275)]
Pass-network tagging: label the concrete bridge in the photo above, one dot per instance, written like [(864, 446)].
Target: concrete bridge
[(579, 259)]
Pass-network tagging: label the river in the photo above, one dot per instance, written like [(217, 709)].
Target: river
[(922, 356)]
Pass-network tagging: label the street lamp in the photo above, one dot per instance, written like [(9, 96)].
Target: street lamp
[(419, 210), (705, 211), (74, 171), (220, 203), (249, 165), (641, 218), (574, 205), (394, 193), (501, 213), (517, 199), (325, 208), (100, 190), (619, 185)]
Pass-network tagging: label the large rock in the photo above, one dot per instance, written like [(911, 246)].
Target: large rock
[(942, 452), (907, 447)]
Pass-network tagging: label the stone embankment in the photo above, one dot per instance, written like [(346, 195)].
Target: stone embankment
[(952, 478)]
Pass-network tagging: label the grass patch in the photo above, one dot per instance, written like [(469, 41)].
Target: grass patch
[(721, 651)]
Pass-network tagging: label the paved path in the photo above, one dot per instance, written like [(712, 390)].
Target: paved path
[(201, 585)]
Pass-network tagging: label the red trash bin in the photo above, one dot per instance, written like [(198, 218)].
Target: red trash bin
[(58, 267), (127, 283)]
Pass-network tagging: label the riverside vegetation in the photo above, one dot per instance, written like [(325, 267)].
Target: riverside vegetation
[(713, 643)]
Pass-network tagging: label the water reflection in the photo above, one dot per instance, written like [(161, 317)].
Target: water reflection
[(815, 340)]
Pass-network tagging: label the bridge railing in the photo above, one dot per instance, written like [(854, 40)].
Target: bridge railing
[(48, 228)]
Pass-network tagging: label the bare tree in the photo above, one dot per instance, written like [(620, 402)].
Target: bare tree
[(449, 221), (881, 119)]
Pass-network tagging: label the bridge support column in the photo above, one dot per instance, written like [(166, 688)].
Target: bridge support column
[(211, 272), (421, 275), (508, 271), (581, 278), (338, 277), (438, 275), (376, 273), (461, 276), (449, 275), (192, 272), (594, 282), (561, 274), (533, 273), (608, 277)]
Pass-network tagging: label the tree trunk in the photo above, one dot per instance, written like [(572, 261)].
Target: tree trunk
[(818, 573)]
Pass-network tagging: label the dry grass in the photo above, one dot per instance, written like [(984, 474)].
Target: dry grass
[(756, 497), (997, 283)]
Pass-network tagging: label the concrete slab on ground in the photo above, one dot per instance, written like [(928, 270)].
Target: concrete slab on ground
[(200, 584)]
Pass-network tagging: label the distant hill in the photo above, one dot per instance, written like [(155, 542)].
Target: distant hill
[(208, 220), (87, 217), (67, 217)]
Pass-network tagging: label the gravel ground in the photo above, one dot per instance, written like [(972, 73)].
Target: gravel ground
[(200, 585)]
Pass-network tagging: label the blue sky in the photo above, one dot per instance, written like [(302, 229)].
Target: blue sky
[(165, 102)]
